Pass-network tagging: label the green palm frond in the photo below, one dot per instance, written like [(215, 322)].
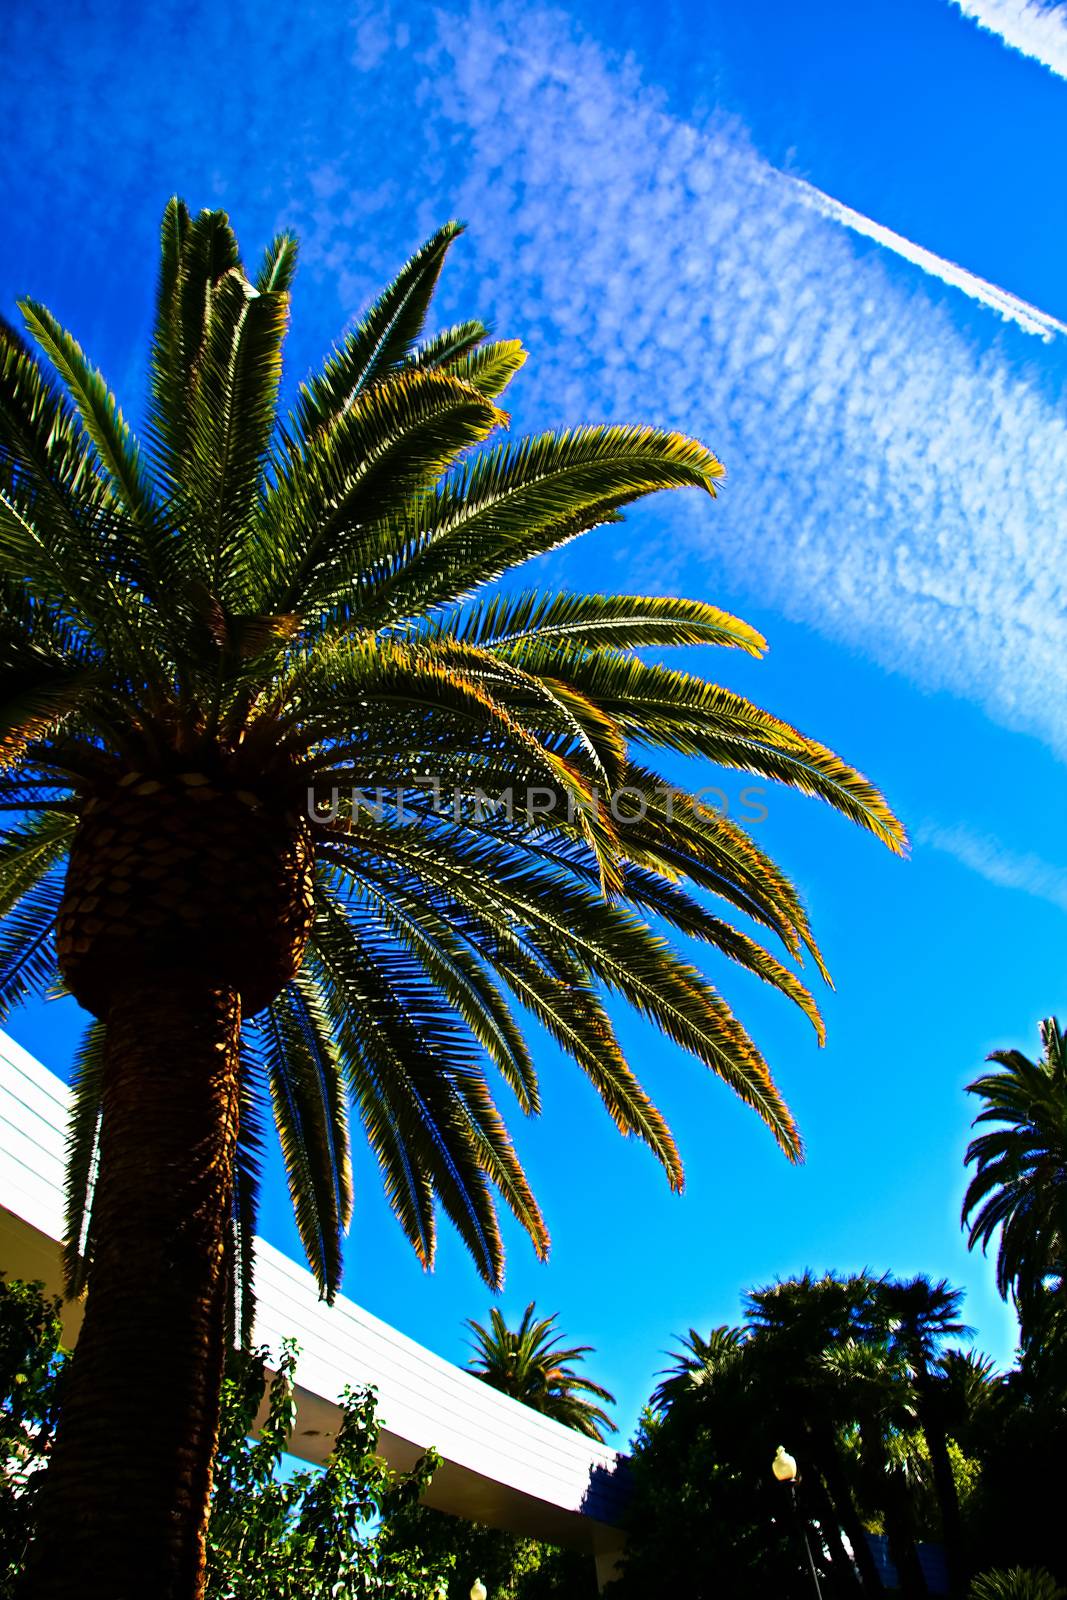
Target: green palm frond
[(196, 254), (410, 1051), (594, 622), (231, 416), (489, 369), (83, 1154), (382, 340), (246, 1189), (305, 1075), (28, 965), (29, 852), (105, 427), (511, 503)]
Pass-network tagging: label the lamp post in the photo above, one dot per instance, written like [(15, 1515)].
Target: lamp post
[(478, 1590), (784, 1467)]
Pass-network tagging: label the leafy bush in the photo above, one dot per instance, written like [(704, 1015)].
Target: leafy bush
[(307, 1535), (31, 1362)]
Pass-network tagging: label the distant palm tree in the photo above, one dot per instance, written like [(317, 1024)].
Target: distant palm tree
[(531, 1364), (922, 1316), (697, 1361), (1020, 1182), (215, 647)]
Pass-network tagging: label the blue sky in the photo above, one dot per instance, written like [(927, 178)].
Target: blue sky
[(682, 210)]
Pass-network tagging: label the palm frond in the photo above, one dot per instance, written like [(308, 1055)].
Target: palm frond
[(594, 622), (381, 341), (103, 422), (83, 1155), (305, 1076), (511, 503)]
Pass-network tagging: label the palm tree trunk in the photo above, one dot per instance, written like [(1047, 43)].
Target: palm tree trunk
[(902, 1549), (842, 1571), (848, 1519), (948, 1504), (125, 1501)]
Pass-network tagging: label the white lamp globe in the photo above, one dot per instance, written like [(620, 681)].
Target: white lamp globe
[(478, 1590), (784, 1465)]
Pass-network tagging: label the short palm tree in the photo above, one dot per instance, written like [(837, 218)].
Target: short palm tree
[(531, 1364), (1019, 1185), (214, 646)]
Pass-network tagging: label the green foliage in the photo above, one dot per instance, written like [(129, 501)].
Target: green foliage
[(31, 1362), (1021, 1583), (854, 1375), (511, 1568), (531, 1365), (290, 604), (299, 1536), (355, 1529)]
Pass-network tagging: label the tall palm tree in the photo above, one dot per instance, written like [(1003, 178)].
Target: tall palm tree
[(530, 1364), (922, 1316), (875, 1393), (794, 1325), (213, 646), (1019, 1185)]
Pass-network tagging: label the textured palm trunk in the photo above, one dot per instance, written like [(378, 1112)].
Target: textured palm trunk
[(126, 1496), (900, 1532), (947, 1501), (187, 901), (842, 1572), (848, 1519)]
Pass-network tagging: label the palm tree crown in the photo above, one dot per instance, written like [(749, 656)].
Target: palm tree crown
[(1020, 1180), (202, 632), (531, 1365), (697, 1361)]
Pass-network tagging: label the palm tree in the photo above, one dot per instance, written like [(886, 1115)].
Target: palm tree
[(214, 647), (531, 1365), (922, 1315), (1020, 1180), (697, 1361)]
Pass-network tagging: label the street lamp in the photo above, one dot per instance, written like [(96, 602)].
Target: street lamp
[(784, 1467), (478, 1590)]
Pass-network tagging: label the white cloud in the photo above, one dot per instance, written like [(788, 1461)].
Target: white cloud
[(987, 856), (1008, 306), (1032, 27), (896, 478)]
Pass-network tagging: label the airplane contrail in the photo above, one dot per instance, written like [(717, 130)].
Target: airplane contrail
[(1008, 306), (1028, 26)]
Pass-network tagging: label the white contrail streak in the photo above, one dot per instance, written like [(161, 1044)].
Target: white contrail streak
[(1034, 29), (1006, 305)]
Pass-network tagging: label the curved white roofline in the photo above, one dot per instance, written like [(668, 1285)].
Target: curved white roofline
[(501, 1463)]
